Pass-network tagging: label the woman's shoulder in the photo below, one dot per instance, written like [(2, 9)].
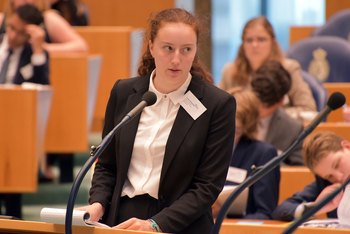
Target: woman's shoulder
[(228, 69), (291, 64)]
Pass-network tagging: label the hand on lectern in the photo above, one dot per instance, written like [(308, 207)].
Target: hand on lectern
[(95, 210)]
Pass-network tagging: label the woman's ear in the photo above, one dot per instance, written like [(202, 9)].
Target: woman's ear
[(150, 46)]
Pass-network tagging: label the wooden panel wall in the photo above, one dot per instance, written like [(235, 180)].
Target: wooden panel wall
[(332, 6), (124, 13)]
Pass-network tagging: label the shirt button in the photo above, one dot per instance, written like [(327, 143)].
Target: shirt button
[(165, 96)]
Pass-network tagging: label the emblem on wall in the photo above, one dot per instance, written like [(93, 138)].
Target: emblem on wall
[(319, 66)]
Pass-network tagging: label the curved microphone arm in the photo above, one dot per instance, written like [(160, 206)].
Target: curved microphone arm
[(311, 210), (95, 153), (148, 99), (251, 180)]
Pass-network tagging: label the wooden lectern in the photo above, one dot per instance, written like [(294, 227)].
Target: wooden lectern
[(121, 49), (74, 78), (27, 227), (23, 119)]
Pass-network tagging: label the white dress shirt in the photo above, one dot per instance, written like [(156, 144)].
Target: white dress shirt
[(264, 125), (155, 124)]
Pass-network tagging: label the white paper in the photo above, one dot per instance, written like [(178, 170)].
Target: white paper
[(236, 175), (27, 71), (58, 216), (192, 105)]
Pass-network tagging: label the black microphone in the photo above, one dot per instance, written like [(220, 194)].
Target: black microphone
[(148, 99), (312, 209), (335, 101)]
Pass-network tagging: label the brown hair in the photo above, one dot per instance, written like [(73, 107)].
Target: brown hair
[(247, 111), (243, 69), (271, 82), (42, 6), (172, 15), (318, 145)]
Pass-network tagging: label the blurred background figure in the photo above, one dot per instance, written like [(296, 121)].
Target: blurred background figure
[(249, 151), (259, 44), (22, 59), (60, 36), (272, 82), (74, 11)]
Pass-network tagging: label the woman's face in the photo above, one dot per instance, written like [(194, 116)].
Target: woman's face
[(17, 3), (257, 45), (173, 50)]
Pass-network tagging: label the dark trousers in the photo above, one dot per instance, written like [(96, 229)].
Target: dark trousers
[(13, 204), (141, 207), (66, 164)]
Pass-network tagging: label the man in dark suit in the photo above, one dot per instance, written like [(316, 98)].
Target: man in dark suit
[(271, 82), (22, 57)]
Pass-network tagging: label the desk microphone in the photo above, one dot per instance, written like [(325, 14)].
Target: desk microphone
[(335, 101), (312, 209), (148, 99)]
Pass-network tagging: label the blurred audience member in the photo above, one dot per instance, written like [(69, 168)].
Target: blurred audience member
[(74, 11), (22, 59), (248, 151), (271, 82), (60, 36), (259, 45)]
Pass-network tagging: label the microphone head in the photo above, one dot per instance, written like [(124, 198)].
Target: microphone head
[(336, 100), (150, 98)]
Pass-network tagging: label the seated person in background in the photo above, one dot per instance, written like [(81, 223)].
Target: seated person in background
[(60, 36), (248, 151), (74, 11), (258, 46), (271, 82), (328, 156), (22, 57), (27, 62)]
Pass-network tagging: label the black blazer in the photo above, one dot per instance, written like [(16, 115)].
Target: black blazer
[(263, 194), (196, 159), (40, 73)]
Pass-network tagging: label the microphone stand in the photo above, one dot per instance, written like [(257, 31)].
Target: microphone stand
[(255, 176), (314, 208), (94, 154)]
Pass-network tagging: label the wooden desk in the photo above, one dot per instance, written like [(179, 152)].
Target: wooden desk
[(75, 87), (230, 226), (121, 49), (294, 179), (27, 227), (23, 120), (299, 32), (344, 88), (339, 128)]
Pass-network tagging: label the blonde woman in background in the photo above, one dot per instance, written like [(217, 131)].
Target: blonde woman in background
[(259, 45)]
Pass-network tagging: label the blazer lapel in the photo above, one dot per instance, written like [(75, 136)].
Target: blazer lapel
[(128, 132), (181, 126)]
